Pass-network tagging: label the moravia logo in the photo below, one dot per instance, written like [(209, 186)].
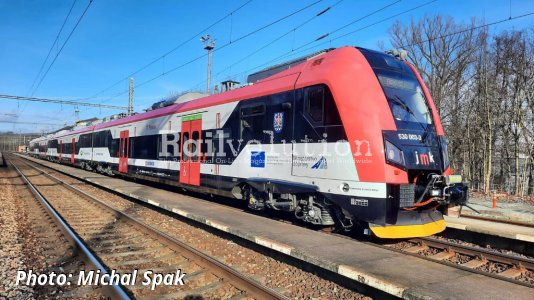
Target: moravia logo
[(321, 164)]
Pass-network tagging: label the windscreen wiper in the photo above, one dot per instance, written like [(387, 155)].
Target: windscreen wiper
[(398, 101)]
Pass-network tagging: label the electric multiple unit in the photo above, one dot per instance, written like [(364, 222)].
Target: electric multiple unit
[(348, 136)]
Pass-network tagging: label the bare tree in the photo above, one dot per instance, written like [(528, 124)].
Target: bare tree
[(483, 88)]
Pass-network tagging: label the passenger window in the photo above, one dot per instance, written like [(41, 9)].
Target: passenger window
[(252, 122), (315, 103), (185, 152), (170, 147), (320, 107), (194, 145)]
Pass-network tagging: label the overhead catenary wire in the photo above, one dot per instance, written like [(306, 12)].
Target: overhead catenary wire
[(317, 39), (63, 102), (219, 48), (31, 123), (470, 29), (508, 19), (293, 50), (52, 46), (403, 46), (302, 46), (351, 23), (357, 30), (62, 46), (320, 13), (164, 55)]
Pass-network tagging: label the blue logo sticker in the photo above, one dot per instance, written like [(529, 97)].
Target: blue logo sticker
[(320, 164), (278, 122), (257, 159)]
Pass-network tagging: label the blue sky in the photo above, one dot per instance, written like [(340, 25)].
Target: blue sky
[(116, 38)]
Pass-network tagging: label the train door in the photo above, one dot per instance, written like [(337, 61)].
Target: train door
[(194, 165), (190, 146), (73, 151), (123, 151), (60, 149)]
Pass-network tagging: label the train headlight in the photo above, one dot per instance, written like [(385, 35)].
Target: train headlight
[(453, 179), (394, 154)]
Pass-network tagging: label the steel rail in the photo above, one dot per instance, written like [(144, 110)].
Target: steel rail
[(237, 279), (112, 291), (458, 266), (454, 265), (503, 258)]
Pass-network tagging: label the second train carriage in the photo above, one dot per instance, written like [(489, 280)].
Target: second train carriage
[(348, 136)]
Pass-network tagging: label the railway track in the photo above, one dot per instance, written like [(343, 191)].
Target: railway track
[(46, 246), (512, 268), (474, 217), (124, 244)]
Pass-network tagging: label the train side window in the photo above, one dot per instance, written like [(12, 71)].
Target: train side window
[(314, 104), (85, 141), (252, 122), (186, 152), (331, 114), (194, 146), (320, 108), (170, 146)]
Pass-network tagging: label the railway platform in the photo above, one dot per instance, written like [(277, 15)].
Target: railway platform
[(394, 273), (505, 210), (512, 220)]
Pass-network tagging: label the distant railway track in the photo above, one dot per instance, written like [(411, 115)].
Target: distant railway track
[(508, 267), (123, 243), (523, 224)]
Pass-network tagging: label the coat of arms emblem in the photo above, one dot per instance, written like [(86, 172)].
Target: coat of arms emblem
[(278, 122)]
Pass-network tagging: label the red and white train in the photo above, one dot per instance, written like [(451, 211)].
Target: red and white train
[(348, 136)]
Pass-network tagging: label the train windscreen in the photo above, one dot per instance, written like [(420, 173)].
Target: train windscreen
[(402, 90)]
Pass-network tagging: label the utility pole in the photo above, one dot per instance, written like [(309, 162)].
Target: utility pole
[(131, 97), (77, 114), (209, 44)]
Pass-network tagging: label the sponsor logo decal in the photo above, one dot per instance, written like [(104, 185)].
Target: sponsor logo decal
[(424, 158), (320, 164), (278, 122), (257, 159)]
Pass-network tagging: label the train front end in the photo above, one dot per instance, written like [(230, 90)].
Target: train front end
[(417, 149), (404, 179)]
